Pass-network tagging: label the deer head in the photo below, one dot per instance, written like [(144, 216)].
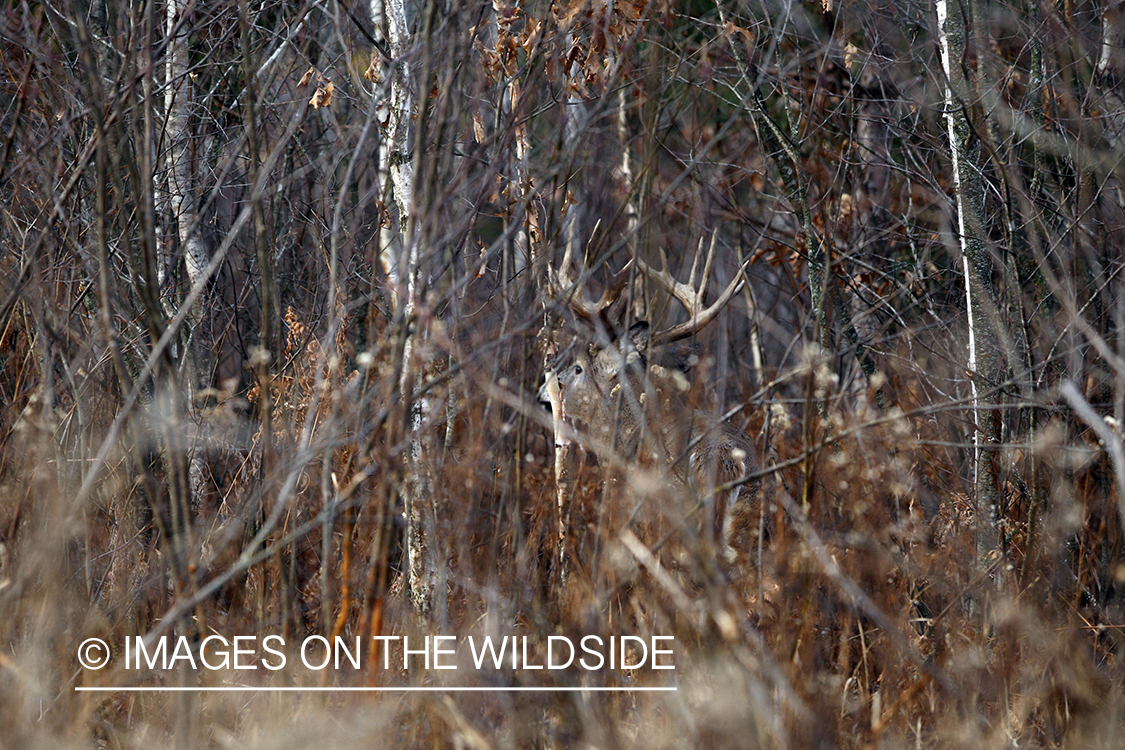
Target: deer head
[(625, 393), (604, 388)]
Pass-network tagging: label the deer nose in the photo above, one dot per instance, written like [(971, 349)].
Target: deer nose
[(544, 394), (542, 397)]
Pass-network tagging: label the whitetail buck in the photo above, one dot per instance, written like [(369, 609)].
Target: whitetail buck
[(628, 398)]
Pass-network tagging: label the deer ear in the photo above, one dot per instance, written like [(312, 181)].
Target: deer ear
[(638, 345), (639, 335)]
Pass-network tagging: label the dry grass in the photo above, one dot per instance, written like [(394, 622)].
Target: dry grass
[(859, 612), (862, 620)]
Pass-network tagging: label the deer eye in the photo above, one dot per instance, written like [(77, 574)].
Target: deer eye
[(578, 369)]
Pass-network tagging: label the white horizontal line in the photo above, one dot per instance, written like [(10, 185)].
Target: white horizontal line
[(408, 689)]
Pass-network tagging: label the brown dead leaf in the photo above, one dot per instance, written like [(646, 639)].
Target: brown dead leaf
[(305, 78), (632, 9), (322, 97), (384, 214), (566, 14), (372, 73), (478, 128), (531, 38), (730, 29)]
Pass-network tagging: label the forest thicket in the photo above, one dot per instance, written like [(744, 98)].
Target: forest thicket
[(279, 282)]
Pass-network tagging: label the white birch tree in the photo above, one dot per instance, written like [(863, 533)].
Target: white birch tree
[(181, 188), (984, 353), (425, 563), (185, 465)]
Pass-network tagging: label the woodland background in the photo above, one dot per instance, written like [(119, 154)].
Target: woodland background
[(278, 282)]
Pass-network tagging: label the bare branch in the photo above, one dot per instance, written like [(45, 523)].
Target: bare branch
[(1110, 440)]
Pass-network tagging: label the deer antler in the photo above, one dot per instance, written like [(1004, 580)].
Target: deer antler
[(565, 288), (691, 295)]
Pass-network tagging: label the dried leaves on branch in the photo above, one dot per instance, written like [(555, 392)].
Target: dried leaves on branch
[(280, 283)]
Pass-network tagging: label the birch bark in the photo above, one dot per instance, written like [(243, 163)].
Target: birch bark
[(182, 205), (426, 563), (984, 353)]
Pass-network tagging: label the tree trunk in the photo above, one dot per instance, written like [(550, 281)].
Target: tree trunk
[(984, 353), (182, 205), (426, 565)]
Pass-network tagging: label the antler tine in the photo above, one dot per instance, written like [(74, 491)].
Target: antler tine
[(570, 290), (691, 297), (691, 279), (710, 262)]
